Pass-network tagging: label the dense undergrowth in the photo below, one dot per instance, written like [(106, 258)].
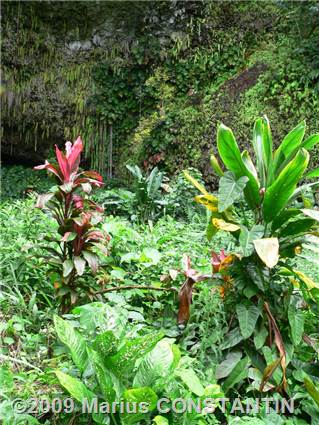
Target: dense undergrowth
[(123, 341)]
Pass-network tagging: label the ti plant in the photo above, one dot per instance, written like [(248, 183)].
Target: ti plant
[(76, 215), (268, 294)]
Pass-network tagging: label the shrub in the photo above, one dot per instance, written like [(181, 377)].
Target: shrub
[(267, 294), (76, 216)]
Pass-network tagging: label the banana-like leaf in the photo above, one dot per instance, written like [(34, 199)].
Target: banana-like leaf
[(298, 227), (311, 141), (223, 225), (267, 250), (302, 189), (283, 218), (210, 201), (314, 214), (293, 139), (195, 183), (278, 194), (231, 157), (312, 174), (249, 164), (259, 152), (215, 166)]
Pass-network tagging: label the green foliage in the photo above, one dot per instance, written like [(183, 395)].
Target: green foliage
[(139, 368), (147, 190), (17, 181), (76, 215), (261, 292)]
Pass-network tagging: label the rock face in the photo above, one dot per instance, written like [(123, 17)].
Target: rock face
[(158, 76), (49, 52)]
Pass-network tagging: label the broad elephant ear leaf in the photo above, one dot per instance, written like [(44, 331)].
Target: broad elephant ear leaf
[(277, 195), (230, 189)]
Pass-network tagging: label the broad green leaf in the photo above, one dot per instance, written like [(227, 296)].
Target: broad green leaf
[(6, 380), (189, 377), (215, 166), (107, 381), (75, 387), (143, 395), (150, 255), (79, 264), (124, 360), (231, 339), (156, 364), (311, 213), (211, 229), (293, 139), (106, 343), (312, 390), (283, 218), (102, 317), (73, 340), (268, 373), (230, 189), (267, 250), (239, 373), (296, 322), (260, 337), (67, 267), (231, 157), (278, 194), (227, 365), (262, 144), (160, 420), (312, 174), (247, 318), (297, 227), (249, 164), (246, 238)]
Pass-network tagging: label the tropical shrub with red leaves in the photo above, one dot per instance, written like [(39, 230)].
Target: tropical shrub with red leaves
[(76, 215)]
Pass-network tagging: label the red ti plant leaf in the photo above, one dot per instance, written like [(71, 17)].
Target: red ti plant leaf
[(73, 154), (185, 293), (220, 263), (63, 164), (49, 167)]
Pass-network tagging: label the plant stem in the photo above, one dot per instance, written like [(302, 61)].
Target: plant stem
[(22, 362), (122, 288)]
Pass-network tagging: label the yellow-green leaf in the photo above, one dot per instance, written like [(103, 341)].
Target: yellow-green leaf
[(223, 225)]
